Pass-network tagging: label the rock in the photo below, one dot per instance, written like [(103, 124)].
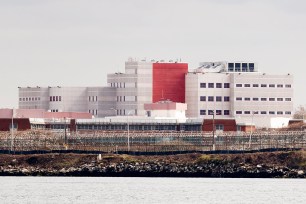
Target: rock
[(300, 172)]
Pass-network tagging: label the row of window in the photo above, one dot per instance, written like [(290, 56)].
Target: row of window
[(241, 67), (217, 112), (54, 110), (264, 85), (92, 98), (263, 99), (93, 112), (30, 99), (55, 98), (264, 112), (212, 98), (212, 85)]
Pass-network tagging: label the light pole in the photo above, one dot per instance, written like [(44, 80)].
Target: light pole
[(128, 130), (12, 131), (250, 140), (213, 146)]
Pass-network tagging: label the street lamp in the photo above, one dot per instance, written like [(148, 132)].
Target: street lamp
[(250, 140), (213, 146), (128, 130)]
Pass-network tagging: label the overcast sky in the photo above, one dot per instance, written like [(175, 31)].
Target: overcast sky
[(77, 42)]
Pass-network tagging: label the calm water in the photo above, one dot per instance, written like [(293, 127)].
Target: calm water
[(150, 190)]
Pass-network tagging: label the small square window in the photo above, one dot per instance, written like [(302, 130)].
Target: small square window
[(210, 112), (263, 85), (271, 99), (238, 99), (247, 85), (218, 85), (272, 112), (263, 99), (210, 85), (255, 99), (218, 98), (247, 99), (210, 98), (279, 99), (202, 85), (226, 98), (202, 98), (226, 85), (226, 112), (263, 112), (202, 112), (279, 112), (247, 112), (255, 85), (272, 85), (288, 112), (279, 86), (218, 112), (238, 85), (288, 86), (238, 112), (287, 99)]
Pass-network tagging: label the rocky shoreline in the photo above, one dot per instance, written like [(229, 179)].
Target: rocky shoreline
[(253, 165)]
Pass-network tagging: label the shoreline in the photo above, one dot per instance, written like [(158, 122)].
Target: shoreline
[(285, 164)]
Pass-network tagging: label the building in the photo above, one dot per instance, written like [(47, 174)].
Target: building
[(235, 90), (245, 94), (144, 82)]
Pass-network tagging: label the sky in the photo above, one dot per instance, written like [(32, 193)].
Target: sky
[(78, 42)]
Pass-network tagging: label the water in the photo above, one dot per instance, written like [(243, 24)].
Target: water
[(150, 190)]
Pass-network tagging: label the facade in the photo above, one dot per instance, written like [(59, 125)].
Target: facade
[(224, 89), (95, 100), (147, 82), (248, 96)]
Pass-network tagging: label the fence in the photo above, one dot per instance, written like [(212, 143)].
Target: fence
[(153, 141)]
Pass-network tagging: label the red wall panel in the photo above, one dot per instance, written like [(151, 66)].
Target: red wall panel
[(169, 81)]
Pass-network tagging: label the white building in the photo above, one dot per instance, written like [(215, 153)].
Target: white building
[(245, 94)]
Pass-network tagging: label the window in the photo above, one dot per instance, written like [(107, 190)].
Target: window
[(226, 85), (20, 99), (288, 85), (202, 112), (29, 99), (210, 85), (238, 85), (56, 98), (279, 112), (255, 85), (271, 99), (287, 99), (272, 112), (263, 112), (288, 112), (247, 85), (255, 99), (210, 112), (210, 98), (202, 98), (202, 85), (238, 99), (263, 99), (238, 112), (272, 85), (226, 112), (279, 99), (50, 98), (237, 67), (218, 98), (218, 112), (247, 99), (251, 67), (218, 85), (279, 86), (247, 112), (60, 98), (263, 85), (219, 127), (230, 67), (244, 67), (226, 98)]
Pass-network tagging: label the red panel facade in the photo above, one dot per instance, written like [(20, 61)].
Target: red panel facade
[(169, 81), (229, 125)]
